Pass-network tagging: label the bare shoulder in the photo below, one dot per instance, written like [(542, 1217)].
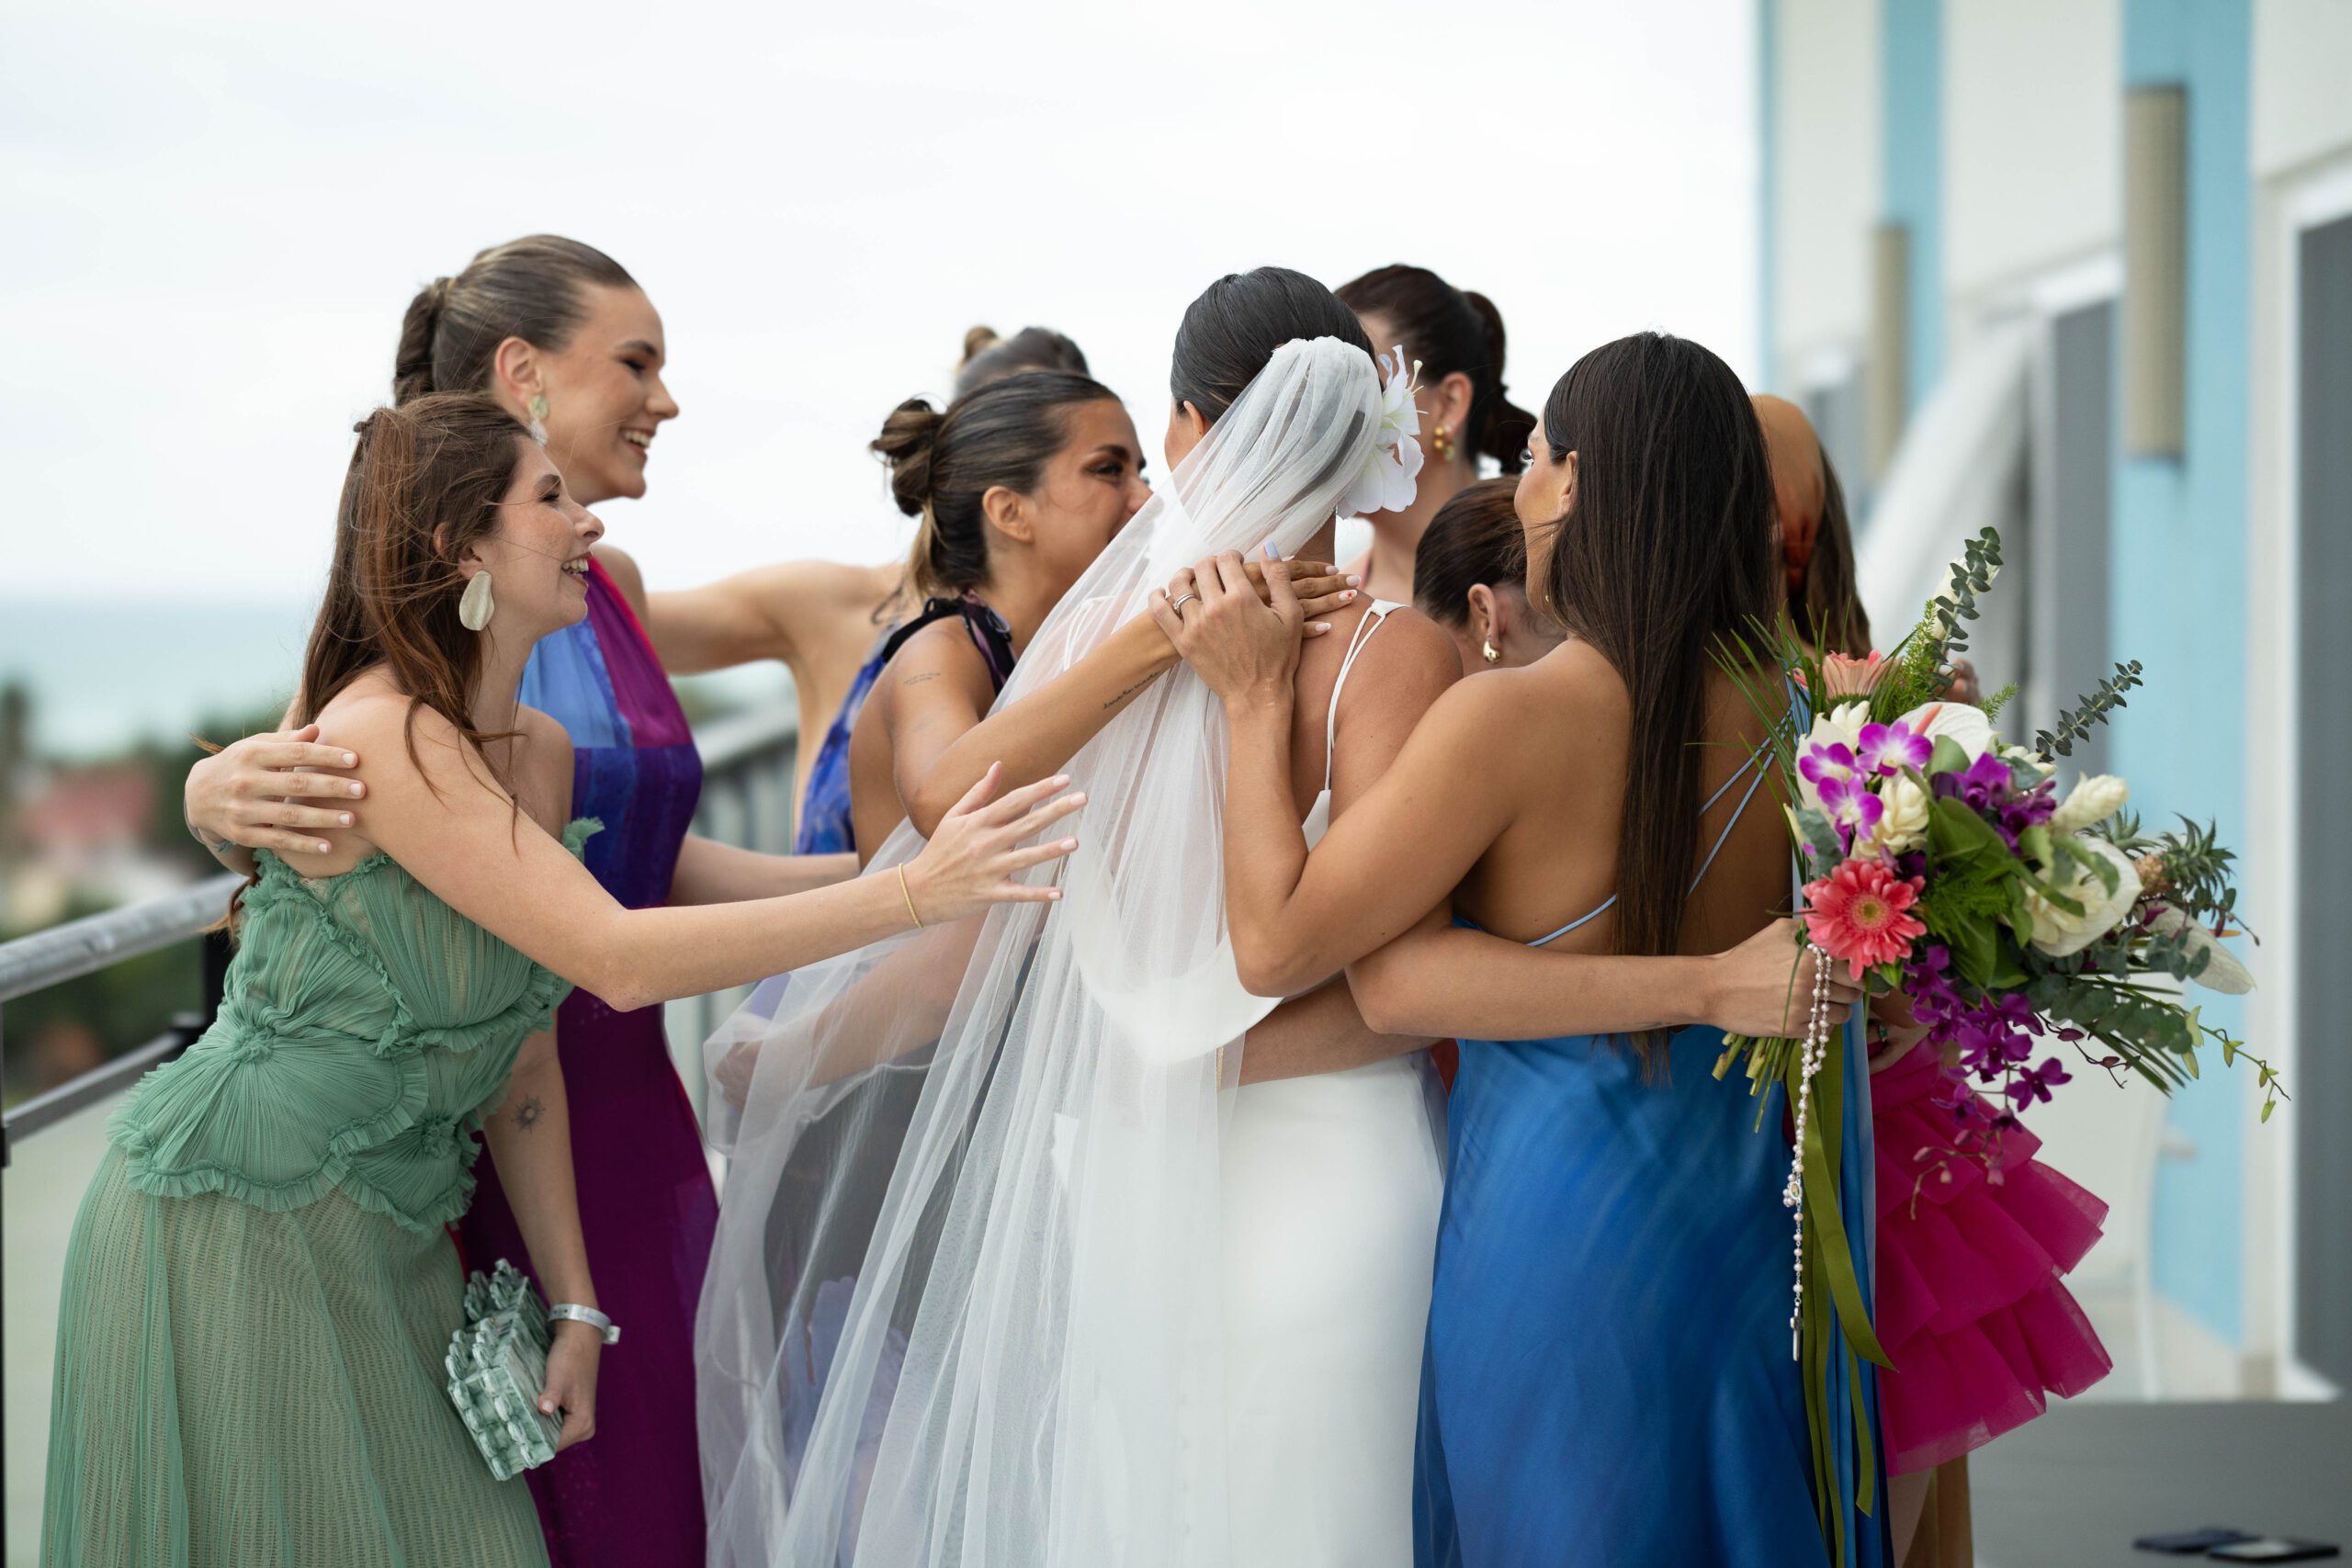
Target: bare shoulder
[(401, 742), (625, 575), (943, 648), (1561, 695), (1406, 659)]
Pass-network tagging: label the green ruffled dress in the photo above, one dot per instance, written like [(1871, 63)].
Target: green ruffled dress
[(259, 1289)]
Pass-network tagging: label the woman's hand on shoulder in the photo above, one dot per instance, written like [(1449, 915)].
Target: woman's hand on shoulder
[(285, 790), (1244, 646)]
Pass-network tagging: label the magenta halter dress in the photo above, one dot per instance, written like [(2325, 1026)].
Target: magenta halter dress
[(631, 1496)]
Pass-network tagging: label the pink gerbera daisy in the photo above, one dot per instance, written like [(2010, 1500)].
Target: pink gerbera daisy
[(1860, 912)]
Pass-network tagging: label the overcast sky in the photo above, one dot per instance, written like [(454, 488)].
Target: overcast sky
[(215, 216)]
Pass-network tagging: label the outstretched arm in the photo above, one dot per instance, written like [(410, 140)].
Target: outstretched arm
[(452, 828), (712, 873), (752, 615), (1045, 730)]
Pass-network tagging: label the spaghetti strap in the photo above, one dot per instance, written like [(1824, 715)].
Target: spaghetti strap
[(1721, 840), (1372, 618)]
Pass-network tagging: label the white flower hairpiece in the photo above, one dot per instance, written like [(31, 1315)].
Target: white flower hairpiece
[(1385, 482)]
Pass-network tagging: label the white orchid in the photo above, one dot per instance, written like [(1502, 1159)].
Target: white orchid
[(2059, 931), (2092, 801), (1964, 727), (1387, 481), (2222, 972)]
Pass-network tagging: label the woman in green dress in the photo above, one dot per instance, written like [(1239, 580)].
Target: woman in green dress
[(259, 1289)]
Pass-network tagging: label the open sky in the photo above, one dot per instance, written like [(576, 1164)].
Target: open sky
[(216, 215)]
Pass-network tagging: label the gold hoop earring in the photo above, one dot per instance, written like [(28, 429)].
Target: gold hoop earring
[(1442, 443)]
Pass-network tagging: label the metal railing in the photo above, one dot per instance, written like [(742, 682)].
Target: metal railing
[(746, 800)]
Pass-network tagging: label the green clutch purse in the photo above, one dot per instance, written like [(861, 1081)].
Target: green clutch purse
[(498, 1368)]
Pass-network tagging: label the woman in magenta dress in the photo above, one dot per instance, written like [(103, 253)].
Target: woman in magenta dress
[(1974, 1237)]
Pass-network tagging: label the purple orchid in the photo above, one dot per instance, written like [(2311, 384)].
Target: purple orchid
[(1886, 749)]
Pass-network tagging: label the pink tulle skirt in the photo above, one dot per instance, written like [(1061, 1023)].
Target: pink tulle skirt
[(1972, 1308)]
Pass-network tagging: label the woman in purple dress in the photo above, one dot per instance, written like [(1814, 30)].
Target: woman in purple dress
[(564, 337)]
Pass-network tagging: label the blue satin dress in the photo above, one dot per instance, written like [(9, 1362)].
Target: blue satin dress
[(1609, 1376)]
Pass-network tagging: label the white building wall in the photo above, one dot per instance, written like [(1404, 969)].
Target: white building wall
[(2302, 82), (1826, 113), (2032, 123)]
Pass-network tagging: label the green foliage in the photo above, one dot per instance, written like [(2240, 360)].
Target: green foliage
[(2077, 722), (1924, 656)]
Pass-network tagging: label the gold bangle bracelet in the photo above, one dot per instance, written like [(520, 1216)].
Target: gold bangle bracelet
[(909, 897)]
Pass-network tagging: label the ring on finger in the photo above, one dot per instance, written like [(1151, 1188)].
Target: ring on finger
[(1176, 606)]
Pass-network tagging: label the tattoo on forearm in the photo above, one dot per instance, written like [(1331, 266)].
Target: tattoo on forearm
[(527, 1115), (215, 846), (1130, 692), (918, 678)]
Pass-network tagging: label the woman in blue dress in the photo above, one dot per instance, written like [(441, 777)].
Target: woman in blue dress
[(1609, 1374)]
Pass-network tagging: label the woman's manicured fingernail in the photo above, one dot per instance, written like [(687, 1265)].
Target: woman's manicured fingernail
[(355, 786), (350, 760), (1322, 626), (1354, 581), (1269, 550), (546, 1407), (325, 848), (1349, 594), (344, 818)]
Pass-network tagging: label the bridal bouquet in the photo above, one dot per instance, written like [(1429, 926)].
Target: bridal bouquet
[(2023, 925), (1946, 867)]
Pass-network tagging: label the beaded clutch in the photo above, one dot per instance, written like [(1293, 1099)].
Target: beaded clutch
[(498, 1366)]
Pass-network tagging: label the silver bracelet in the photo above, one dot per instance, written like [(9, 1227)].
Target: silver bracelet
[(572, 1312)]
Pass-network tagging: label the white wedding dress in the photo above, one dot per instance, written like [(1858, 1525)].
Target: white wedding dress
[(1008, 1273), (1332, 1186)]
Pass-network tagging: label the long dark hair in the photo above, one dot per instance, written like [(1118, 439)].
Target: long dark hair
[(1474, 538), (441, 463), (1450, 330), (534, 288), (943, 462), (1667, 549), (1232, 330)]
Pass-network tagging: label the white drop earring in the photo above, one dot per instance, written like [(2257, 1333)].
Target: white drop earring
[(474, 606)]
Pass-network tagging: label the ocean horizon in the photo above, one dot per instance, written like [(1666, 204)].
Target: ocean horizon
[(106, 675)]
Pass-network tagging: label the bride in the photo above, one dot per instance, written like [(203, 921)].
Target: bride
[(1069, 1301)]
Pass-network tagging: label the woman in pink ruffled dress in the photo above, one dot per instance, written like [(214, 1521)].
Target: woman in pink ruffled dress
[(1975, 1235)]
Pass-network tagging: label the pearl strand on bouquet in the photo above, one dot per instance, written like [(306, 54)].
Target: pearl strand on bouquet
[(1812, 1053)]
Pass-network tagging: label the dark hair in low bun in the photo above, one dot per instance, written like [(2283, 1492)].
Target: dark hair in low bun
[(1450, 331), (1474, 538), (943, 463), (988, 357), (533, 289), (1232, 330)]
